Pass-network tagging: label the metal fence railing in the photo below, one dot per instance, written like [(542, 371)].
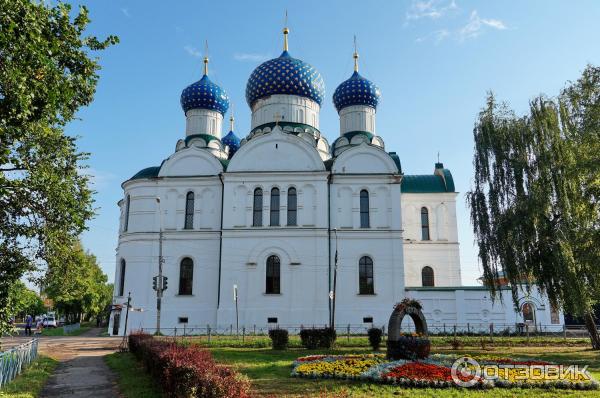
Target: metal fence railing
[(16, 359), (434, 329)]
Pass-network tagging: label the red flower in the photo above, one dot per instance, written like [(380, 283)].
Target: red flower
[(420, 371)]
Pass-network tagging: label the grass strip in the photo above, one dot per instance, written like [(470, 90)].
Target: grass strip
[(132, 378), (29, 383)]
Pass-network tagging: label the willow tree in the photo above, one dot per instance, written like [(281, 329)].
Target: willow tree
[(535, 204)]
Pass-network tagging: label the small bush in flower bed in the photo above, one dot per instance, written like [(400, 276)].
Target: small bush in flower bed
[(433, 372), (408, 347), (318, 338), (187, 371), (375, 335), (279, 339)]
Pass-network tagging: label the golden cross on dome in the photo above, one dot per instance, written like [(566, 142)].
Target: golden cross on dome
[(355, 56), (206, 57), (285, 32)]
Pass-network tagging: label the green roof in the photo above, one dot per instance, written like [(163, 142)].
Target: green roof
[(206, 137), (429, 183), (148, 172), (283, 124)]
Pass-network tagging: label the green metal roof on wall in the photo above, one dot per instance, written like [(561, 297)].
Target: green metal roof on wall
[(148, 172), (429, 183), (206, 137)]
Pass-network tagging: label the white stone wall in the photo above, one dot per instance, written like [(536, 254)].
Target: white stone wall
[(203, 121), (441, 252), (289, 108), (471, 308), (357, 118)]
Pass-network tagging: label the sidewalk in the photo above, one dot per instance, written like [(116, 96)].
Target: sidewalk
[(82, 371)]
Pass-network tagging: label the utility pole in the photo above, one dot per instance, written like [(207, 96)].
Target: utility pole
[(160, 285), (123, 346), (335, 268)]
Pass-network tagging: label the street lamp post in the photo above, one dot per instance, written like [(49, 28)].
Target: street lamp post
[(235, 298)]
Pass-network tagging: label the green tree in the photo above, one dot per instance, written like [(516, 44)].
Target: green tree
[(535, 201), (76, 284), (24, 301), (46, 75)]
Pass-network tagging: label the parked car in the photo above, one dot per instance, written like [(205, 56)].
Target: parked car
[(49, 322)]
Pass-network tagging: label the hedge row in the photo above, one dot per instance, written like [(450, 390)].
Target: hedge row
[(187, 371), (318, 338)]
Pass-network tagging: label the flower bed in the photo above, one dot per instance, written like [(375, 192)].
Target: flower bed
[(434, 371)]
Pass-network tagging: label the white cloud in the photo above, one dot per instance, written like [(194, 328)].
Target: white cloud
[(125, 12), (251, 57), (432, 9), (436, 36), (476, 24), (193, 51)]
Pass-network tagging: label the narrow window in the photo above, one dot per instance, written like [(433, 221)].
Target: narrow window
[(122, 278), (186, 276), (292, 206), (424, 224), (275, 207), (273, 275), (364, 209), (126, 222), (257, 210), (189, 211), (365, 276), (427, 276)]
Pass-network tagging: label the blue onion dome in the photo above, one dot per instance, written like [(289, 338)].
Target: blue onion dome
[(285, 75), (356, 91), (232, 141), (204, 94)]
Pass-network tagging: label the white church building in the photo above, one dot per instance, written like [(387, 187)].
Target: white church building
[(283, 213)]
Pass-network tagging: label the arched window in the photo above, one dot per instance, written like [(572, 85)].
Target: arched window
[(257, 209), (425, 224), (186, 277), (273, 275), (122, 278), (292, 206), (528, 313), (126, 221), (365, 276), (427, 276), (275, 207), (189, 211), (364, 209)]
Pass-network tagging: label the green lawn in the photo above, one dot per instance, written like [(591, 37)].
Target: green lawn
[(60, 331), (270, 373), (29, 383), (133, 381)]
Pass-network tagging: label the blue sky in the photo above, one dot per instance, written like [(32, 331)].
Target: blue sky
[(433, 60)]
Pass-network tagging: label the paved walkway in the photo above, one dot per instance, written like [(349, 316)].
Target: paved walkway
[(82, 371)]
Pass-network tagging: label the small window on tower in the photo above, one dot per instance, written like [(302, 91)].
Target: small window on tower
[(272, 320), (183, 319), (368, 319)]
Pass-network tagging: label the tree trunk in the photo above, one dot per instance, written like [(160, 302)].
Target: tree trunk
[(592, 330)]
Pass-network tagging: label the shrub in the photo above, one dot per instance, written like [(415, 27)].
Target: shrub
[(279, 339), (408, 347), (187, 371), (375, 335), (318, 338)]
